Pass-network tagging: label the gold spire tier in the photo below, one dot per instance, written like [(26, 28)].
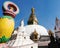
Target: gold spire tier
[(32, 19)]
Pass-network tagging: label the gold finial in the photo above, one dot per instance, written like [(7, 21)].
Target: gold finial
[(32, 10), (11, 8), (35, 32)]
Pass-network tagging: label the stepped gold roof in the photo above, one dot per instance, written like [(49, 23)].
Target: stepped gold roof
[(32, 19)]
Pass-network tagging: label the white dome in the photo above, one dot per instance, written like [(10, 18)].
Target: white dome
[(39, 29)]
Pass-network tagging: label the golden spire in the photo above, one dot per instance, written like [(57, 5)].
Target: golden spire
[(32, 19), (32, 10)]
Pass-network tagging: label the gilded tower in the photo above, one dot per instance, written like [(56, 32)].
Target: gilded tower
[(32, 19)]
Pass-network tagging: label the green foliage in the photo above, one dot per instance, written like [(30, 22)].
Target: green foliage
[(3, 39)]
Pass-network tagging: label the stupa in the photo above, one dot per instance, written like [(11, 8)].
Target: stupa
[(30, 33)]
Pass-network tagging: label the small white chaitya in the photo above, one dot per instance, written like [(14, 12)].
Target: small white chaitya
[(23, 40)]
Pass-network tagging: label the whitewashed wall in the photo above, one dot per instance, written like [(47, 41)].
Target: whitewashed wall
[(34, 45)]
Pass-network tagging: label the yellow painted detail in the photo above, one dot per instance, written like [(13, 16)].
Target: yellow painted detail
[(6, 27)]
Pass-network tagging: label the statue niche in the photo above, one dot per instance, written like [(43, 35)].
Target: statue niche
[(34, 36)]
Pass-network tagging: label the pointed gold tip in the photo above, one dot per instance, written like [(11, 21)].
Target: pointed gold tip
[(32, 10)]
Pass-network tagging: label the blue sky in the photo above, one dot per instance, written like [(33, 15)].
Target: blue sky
[(45, 10)]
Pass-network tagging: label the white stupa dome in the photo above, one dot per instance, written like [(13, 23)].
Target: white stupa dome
[(39, 29), (34, 25)]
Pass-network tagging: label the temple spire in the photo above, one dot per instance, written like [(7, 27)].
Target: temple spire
[(57, 19), (32, 10), (32, 19)]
